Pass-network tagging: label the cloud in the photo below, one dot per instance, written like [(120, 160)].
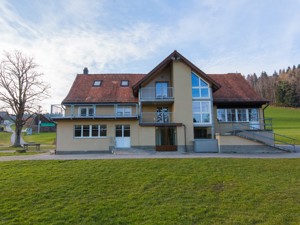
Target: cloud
[(62, 53)]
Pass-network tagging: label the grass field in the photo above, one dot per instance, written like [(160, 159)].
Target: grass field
[(5, 138), (286, 121), (153, 191), (47, 138)]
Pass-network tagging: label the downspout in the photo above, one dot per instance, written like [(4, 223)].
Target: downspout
[(185, 147)]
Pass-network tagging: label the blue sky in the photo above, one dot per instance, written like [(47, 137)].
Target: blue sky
[(133, 36)]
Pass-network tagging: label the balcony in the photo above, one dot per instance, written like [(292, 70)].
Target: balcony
[(152, 94), (157, 118), (94, 111)]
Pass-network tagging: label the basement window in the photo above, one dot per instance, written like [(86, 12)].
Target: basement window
[(97, 83), (124, 83)]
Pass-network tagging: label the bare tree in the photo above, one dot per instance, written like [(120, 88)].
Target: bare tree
[(21, 88)]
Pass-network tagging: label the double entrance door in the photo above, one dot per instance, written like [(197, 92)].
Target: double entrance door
[(166, 138), (123, 136)]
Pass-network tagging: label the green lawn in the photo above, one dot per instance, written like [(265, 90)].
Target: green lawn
[(286, 121), (46, 138), (153, 191), (5, 138)]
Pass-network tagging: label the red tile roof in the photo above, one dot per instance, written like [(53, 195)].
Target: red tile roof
[(235, 89), (110, 91)]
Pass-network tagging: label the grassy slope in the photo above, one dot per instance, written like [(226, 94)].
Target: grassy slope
[(286, 121), (155, 191)]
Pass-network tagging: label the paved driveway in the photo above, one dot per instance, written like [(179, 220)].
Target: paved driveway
[(124, 155)]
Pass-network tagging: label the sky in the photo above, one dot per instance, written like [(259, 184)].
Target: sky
[(133, 36)]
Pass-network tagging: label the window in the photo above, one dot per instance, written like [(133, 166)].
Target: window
[(162, 115), (89, 131), (201, 112), (231, 117), (200, 88), (202, 132), (125, 83), (237, 115), (242, 115), (97, 83), (253, 114), (161, 90), (221, 115), (123, 131), (123, 111), (86, 111)]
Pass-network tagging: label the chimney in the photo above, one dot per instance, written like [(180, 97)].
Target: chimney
[(85, 70)]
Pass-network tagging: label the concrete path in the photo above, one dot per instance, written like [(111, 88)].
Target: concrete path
[(12, 138), (168, 155)]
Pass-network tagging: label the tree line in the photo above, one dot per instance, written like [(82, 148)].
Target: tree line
[(281, 88)]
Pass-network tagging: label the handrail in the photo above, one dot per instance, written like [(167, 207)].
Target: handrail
[(256, 135), (156, 93)]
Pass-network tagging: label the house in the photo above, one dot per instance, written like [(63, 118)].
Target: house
[(175, 107), (4, 116), (40, 123)]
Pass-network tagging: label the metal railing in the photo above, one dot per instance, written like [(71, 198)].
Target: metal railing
[(61, 111), (267, 137), (152, 93), (157, 117)]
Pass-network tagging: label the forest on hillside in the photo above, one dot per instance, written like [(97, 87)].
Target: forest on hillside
[(281, 88)]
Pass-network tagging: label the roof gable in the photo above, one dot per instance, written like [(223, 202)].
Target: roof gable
[(178, 57)]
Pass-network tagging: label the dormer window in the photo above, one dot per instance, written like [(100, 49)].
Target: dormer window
[(124, 83), (97, 83)]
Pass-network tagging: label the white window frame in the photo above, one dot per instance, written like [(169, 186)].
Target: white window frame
[(87, 108), (199, 87), (236, 111), (123, 111), (90, 130), (201, 112)]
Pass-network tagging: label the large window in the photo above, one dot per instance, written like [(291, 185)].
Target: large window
[(201, 112), (86, 111), (90, 131), (200, 88), (237, 115)]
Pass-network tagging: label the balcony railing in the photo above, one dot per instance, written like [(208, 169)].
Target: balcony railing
[(157, 117), (156, 94), (116, 111)]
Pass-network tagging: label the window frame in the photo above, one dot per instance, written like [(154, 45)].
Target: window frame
[(126, 83), (248, 116), (97, 85), (87, 113), (200, 87), (201, 113), (122, 110), (89, 129)]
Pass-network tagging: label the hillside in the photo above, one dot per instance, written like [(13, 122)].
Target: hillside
[(286, 121), (282, 88)]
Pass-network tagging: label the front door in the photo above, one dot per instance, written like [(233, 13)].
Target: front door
[(123, 136), (166, 139)]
